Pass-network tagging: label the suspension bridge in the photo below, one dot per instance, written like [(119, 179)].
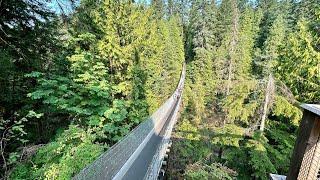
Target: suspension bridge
[(141, 154)]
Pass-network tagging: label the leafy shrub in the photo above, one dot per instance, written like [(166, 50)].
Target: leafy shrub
[(213, 171), (259, 160), (229, 135), (280, 146), (63, 158), (192, 146)]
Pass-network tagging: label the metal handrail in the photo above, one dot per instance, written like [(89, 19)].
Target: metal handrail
[(116, 161)]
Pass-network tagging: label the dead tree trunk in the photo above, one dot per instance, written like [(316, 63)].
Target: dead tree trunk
[(268, 98)]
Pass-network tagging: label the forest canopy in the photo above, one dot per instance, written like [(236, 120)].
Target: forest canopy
[(76, 76)]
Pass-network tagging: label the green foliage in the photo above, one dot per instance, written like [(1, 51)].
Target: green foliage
[(87, 94), (106, 66), (229, 135), (301, 49), (241, 104), (192, 140), (213, 171), (29, 42), (107, 85), (188, 131), (237, 158), (259, 159), (266, 60), (282, 108), (200, 75), (230, 58), (13, 134), (63, 158), (113, 122), (122, 63), (281, 147)]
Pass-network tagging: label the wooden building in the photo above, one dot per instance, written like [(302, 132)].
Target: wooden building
[(305, 160)]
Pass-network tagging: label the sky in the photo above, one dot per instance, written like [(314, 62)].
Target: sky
[(66, 5)]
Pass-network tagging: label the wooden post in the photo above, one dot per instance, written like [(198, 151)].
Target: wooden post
[(306, 154)]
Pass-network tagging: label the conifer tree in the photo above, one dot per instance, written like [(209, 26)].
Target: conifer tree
[(119, 60), (159, 7), (267, 61), (239, 44), (201, 75), (298, 64), (122, 68)]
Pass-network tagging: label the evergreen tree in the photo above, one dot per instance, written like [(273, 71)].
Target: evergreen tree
[(250, 39), (236, 66), (200, 71), (267, 61), (122, 68), (159, 7), (73, 86), (298, 64), (28, 42)]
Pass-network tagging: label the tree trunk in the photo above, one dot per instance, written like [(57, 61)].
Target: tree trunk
[(268, 97), (220, 153)]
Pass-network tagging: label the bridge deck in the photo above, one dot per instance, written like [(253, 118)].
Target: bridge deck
[(140, 166), (139, 155)]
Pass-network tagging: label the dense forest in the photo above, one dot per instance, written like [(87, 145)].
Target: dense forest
[(74, 82), (250, 64)]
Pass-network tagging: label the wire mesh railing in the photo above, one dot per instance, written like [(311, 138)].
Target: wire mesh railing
[(114, 163)]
